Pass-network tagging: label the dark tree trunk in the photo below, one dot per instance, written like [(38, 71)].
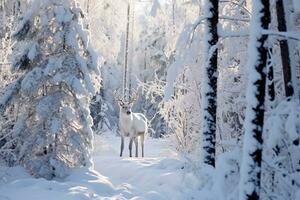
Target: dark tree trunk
[(253, 140), (210, 84), (284, 48)]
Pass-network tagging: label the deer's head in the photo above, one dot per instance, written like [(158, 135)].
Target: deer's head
[(125, 106)]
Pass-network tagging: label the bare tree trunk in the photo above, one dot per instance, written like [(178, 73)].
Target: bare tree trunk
[(125, 73), (253, 141), (131, 50), (210, 83), (173, 15), (284, 48), (87, 13)]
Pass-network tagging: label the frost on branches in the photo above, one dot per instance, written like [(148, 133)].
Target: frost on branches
[(58, 76), (281, 152)]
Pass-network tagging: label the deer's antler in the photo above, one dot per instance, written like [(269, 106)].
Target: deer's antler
[(118, 96), (133, 96)]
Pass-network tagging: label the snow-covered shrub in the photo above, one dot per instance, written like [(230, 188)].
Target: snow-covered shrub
[(59, 74), (181, 107), (182, 115), (7, 142), (221, 182), (281, 167)]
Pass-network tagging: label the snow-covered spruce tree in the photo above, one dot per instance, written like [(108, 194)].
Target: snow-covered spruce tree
[(209, 82), (59, 74), (253, 140)]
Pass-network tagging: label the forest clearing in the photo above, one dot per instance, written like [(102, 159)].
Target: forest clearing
[(149, 99)]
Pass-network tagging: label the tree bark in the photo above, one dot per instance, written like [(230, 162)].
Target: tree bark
[(253, 140), (284, 48), (210, 83)]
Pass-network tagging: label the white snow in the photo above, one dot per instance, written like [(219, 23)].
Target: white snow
[(32, 52), (296, 5), (159, 176), (283, 122), (155, 7)]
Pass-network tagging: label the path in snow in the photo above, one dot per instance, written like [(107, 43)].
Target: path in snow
[(158, 176)]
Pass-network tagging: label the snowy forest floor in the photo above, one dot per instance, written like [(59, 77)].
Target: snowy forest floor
[(159, 176)]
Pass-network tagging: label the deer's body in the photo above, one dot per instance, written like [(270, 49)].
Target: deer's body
[(134, 126)]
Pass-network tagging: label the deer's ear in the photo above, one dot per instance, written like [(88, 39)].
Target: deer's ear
[(120, 103)]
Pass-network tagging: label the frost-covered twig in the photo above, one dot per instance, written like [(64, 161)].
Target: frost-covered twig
[(239, 4), (234, 18)]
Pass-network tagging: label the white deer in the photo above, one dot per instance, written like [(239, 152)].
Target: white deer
[(132, 125)]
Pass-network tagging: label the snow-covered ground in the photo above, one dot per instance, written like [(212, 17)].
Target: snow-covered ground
[(160, 175)]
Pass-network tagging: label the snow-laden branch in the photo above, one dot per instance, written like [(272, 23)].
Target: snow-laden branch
[(234, 18), (9, 94), (195, 26), (287, 35)]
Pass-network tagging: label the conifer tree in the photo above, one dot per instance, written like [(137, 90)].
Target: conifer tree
[(59, 75)]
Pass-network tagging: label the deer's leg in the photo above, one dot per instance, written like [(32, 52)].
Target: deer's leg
[(136, 142), (122, 145), (130, 147), (142, 138)]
